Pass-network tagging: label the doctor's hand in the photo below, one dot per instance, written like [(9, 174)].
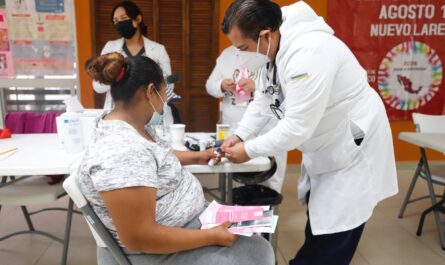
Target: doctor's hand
[(227, 85), (229, 142), (247, 84), (237, 154)]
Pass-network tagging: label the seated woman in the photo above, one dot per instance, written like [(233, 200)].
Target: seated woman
[(137, 186)]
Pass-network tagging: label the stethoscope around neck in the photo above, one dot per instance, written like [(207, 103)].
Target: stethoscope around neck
[(272, 88)]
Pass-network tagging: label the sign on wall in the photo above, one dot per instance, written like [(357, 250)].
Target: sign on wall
[(401, 44), (36, 38)]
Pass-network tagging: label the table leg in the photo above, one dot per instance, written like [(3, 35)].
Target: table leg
[(433, 198), (12, 181), (229, 188), (222, 186)]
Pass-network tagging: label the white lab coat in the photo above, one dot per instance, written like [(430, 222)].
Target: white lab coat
[(153, 50), (226, 64), (329, 106)]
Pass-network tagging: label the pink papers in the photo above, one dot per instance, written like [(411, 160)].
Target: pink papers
[(246, 219)]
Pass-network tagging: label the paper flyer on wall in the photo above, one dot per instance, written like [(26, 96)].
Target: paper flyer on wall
[(20, 6), (55, 27), (246, 220), (22, 26), (50, 6), (6, 64), (43, 58), (4, 35)]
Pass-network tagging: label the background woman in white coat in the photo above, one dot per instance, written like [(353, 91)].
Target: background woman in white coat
[(129, 23), (221, 84)]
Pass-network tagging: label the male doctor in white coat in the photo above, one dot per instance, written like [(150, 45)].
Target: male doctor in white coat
[(327, 110)]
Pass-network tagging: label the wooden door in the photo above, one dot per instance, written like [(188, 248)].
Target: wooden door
[(189, 31)]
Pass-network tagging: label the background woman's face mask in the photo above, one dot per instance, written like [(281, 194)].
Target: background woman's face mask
[(253, 61), (125, 28)]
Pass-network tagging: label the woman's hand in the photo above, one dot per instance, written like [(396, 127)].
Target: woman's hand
[(205, 156), (227, 85), (247, 84), (222, 236)]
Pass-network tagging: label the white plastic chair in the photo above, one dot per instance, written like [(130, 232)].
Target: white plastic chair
[(433, 174), (100, 232), (32, 190)]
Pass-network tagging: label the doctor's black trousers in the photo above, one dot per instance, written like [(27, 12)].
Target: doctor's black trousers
[(330, 249)]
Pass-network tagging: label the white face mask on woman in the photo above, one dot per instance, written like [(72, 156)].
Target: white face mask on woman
[(253, 61), (157, 118)]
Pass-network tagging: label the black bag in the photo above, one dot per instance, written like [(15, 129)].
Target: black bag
[(256, 195)]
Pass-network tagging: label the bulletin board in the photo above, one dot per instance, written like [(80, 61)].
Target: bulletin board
[(37, 38)]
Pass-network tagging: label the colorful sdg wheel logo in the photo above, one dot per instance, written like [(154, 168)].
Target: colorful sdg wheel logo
[(409, 76)]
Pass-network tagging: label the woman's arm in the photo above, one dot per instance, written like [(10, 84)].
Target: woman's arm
[(137, 228), (197, 158)]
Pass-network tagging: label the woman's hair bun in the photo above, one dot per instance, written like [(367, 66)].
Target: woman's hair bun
[(106, 68)]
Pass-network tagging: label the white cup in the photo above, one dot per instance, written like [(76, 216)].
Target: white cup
[(177, 133), (203, 145)]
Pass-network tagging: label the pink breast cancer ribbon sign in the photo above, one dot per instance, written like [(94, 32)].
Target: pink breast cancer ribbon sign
[(241, 95)]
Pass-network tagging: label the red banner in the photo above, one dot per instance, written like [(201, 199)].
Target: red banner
[(401, 44)]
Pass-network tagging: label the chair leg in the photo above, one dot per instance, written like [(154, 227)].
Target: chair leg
[(411, 188), (27, 218), (66, 240)]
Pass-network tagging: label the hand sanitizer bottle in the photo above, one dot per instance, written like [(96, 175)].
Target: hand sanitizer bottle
[(71, 130)]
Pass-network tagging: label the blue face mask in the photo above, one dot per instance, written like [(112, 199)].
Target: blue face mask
[(157, 118)]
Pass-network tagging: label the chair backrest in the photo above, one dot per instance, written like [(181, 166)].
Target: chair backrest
[(100, 232), (175, 113), (429, 123)]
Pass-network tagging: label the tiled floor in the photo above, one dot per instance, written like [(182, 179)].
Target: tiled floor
[(387, 240)]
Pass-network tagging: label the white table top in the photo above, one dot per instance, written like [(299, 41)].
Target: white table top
[(435, 141), (37, 154), (41, 154)]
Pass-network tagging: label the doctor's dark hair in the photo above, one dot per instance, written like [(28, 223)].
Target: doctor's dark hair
[(132, 11), (125, 75), (251, 17)]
